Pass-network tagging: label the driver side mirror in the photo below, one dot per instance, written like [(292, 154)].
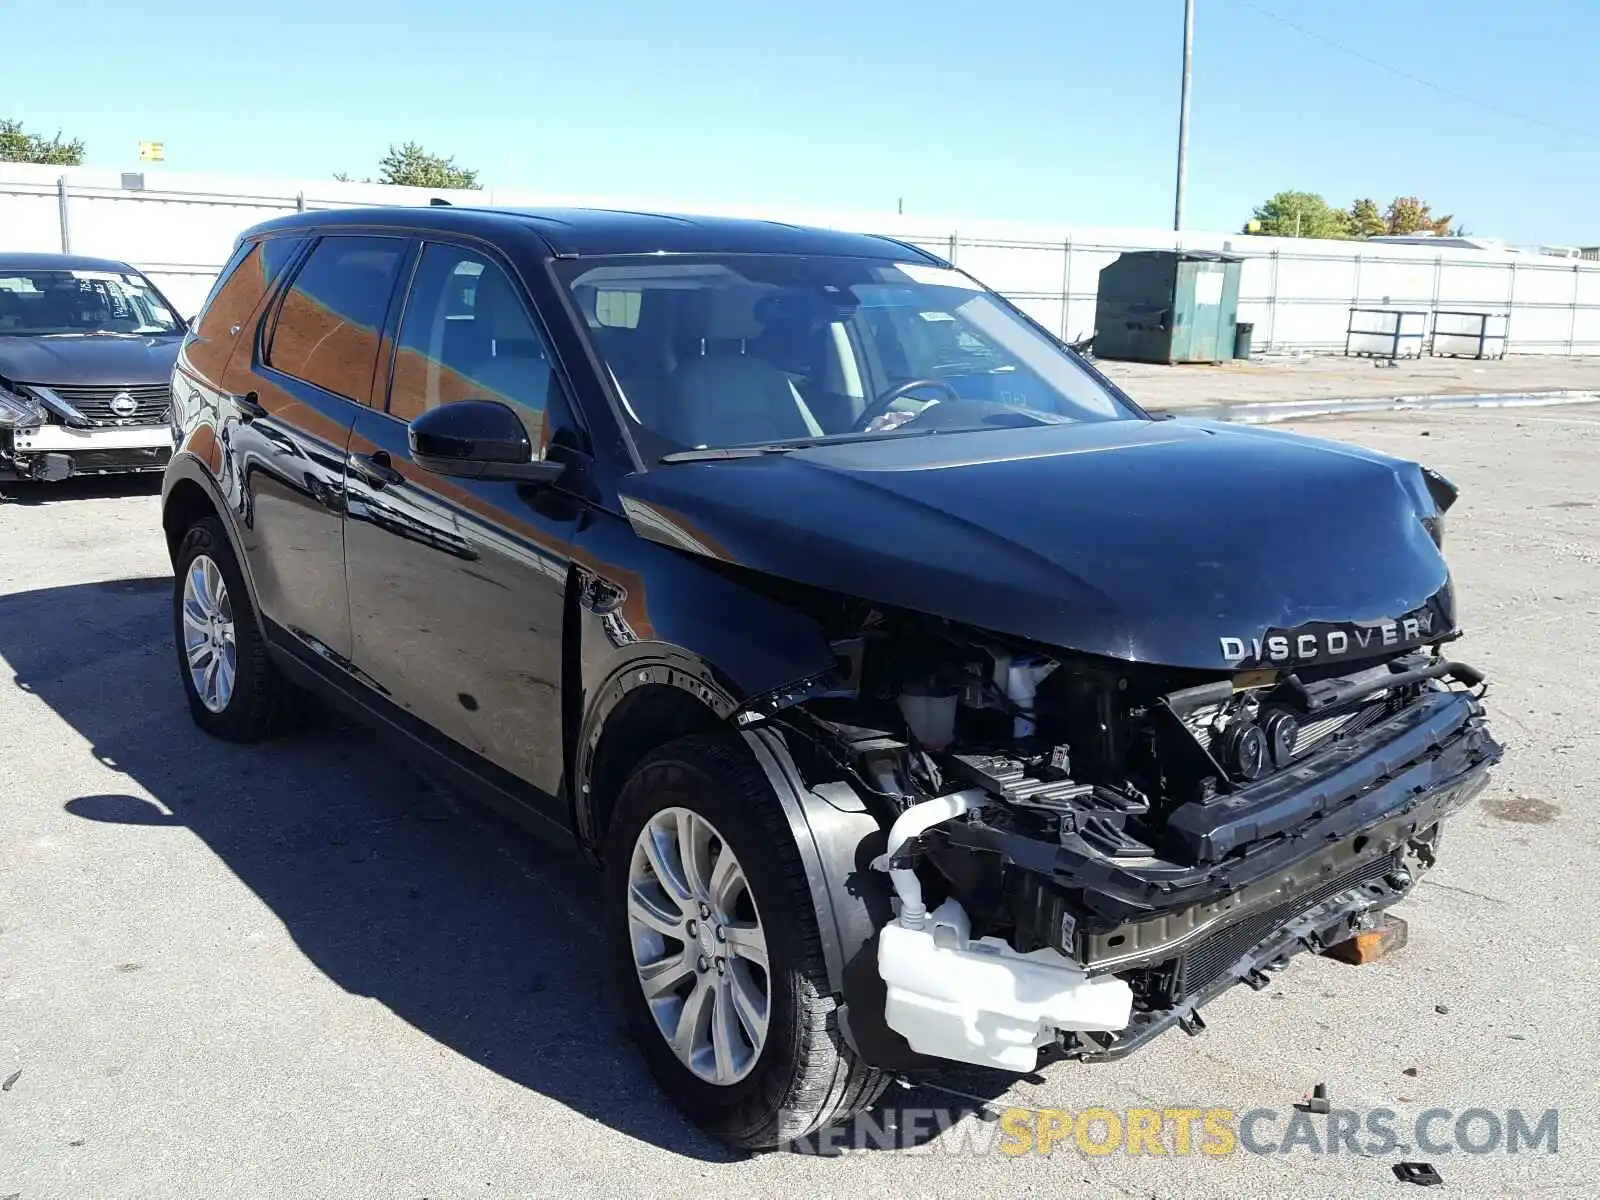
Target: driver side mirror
[(477, 439)]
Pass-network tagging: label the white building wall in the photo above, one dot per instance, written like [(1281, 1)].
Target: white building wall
[(179, 228)]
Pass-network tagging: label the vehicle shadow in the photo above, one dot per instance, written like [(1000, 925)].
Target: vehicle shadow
[(478, 934), (79, 487)]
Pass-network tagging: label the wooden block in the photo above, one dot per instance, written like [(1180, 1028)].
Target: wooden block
[(1372, 945)]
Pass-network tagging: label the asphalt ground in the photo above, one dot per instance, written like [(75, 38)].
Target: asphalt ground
[(302, 970)]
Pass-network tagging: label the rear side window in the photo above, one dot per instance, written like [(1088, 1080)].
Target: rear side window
[(328, 325), (226, 313)]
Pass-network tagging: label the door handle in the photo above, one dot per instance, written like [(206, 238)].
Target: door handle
[(249, 406), (375, 468)]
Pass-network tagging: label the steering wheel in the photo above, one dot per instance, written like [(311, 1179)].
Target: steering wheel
[(880, 403)]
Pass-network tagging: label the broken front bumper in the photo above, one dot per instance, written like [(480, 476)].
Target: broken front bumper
[(1289, 864), (1243, 953), (56, 452)]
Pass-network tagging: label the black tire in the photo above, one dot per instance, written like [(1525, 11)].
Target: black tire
[(806, 1077), (263, 702)]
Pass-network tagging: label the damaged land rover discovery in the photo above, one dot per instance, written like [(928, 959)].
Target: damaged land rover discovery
[(921, 698)]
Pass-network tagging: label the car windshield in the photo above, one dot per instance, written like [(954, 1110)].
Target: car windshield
[(718, 351), (59, 301)]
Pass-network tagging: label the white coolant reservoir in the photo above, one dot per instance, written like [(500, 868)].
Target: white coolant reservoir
[(981, 1002), (931, 713)]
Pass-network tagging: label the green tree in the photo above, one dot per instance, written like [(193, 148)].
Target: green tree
[(1299, 214), (1365, 219), (409, 165), (18, 146), (1407, 214)]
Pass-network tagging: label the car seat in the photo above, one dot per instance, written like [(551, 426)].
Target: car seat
[(727, 399)]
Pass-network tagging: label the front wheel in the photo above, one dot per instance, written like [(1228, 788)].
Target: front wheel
[(716, 954)]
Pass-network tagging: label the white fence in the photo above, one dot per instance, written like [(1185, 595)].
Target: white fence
[(1298, 293)]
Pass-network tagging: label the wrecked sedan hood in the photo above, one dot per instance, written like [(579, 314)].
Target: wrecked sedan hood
[(89, 360), (1182, 543)]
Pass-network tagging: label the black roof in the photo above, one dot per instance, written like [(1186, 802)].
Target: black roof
[(29, 261), (586, 231)]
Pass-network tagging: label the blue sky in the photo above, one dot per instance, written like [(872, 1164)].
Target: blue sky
[(1058, 110)]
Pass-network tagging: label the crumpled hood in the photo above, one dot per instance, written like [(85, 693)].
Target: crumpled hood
[(88, 360), (1174, 542)]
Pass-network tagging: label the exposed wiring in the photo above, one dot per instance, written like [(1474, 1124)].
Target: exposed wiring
[(837, 760), (1002, 701), (931, 777)]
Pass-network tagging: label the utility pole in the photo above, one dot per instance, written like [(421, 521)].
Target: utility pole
[(1183, 113)]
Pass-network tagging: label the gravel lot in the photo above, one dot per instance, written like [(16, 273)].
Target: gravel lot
[(300, 971)]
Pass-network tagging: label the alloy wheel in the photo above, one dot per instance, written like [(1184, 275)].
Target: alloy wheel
[(209, 643), (698, 946)]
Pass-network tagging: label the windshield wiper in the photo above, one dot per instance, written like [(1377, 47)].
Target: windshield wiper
[(712, 454), (827, 439)]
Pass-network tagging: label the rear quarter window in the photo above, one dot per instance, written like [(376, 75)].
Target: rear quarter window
[(228, 310), (328, 325)]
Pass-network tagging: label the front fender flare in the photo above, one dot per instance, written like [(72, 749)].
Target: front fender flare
[(663, 665), (838, 837)]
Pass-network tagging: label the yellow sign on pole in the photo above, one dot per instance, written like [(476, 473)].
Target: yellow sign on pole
[(152, 151)]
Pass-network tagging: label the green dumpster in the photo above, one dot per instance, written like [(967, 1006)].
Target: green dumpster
[(1168, 306)]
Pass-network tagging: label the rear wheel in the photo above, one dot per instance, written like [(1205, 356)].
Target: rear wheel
[(716, 954), (235, 691)]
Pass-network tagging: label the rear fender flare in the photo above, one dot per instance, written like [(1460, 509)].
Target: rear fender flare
[(185, 468)]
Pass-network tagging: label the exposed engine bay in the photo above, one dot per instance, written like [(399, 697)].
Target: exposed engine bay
[(1142, 708), (1104, 845)]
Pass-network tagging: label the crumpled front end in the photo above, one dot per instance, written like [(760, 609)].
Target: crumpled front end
[(1084, 851), (51, 434)]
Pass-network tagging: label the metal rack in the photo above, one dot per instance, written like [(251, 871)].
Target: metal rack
[(1386, 333), (1459, 334)]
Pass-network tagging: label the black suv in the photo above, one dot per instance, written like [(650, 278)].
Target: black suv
[(921, 698)]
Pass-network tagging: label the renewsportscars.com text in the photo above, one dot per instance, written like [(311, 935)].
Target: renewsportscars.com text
[(1191, 1130)]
